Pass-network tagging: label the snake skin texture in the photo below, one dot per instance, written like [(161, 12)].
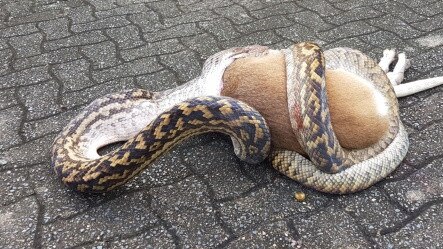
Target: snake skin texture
[(332, 168), (196, 116), (152, 123)]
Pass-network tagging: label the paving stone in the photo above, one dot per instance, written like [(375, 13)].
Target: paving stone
[(402, 11), (27, 45), (298, 33), (432, 40), (110, 22), (431, 9), (157, 81), (167, 8), (347, 30), (191, 17), (7, 98), (75, 40), (192, 6), (19, 30), (424, 185), (422, 232), (52, 57), (309, 19), (37, 16), (356, 14), (29, 153), (267, 204), (74, 75), (419, 119), (372, 209), (274, 235), (428, 60), (184, 64), (55, 29), (15, 8), (268, 23), (15, 185), (121, 216), (226, 181), (19, 224), (126, 37), (81, 14), (384, 39), (396, 26), (329, 228), (429, 23), (9, 130), (147, 22), (206, 49), (181, 30), (220, 28), (40, 100), (186, 206), (51, 125), (6, 56), (234, 13), (122, 11), (352, 4), (280, 9), (103, 55), (102, 4), (354, 43), (157, 237), (154, 48), (320, 7), (132, 68), (425, 144), (266, 38), (25, 77)]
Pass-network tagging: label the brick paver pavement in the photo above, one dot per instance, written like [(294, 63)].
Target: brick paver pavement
[(57, 56)]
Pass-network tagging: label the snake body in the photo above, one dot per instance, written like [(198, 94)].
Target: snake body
[(154, 122)]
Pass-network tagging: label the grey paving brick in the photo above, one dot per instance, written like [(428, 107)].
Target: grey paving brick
[(206, 49), (372, 210), (234, 13), (157, 81), (424, 111), (9, 133), (40, 100), (52, 57), (6, 56), (226, 181), (29, 153), (298, 33), (111, 219), (320, 7), (7, 98), (131, 68), (18, 30), (102, 4), (265, 38), (153, 48), (184, 64), (421, 187), (86, 96), (347, 30), (102, 55), (110, 22), (428, 60), (309, 19), (191, 17), (75, 40), (181, 30), (425, 144), (402, 11), (123, 10), (157, 237), (279, 9), (422, 232), (81, 14), (73, 75), (274, 235), (190, 6), (329, 228), (188, 198), (37, 16), (429, 23), (352, 4), (19, 224), (15, 186), (267, 23), (365, 12), (148, 22), (27, 45), (265, 205), (25, 77), (220, 28), (55, 29), (396, 26), (431, 9), (126, 37), (167, 8)]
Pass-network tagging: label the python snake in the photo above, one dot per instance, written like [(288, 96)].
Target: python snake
[(152, 123)]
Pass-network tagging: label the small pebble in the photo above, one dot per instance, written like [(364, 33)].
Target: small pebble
[(300, 196)]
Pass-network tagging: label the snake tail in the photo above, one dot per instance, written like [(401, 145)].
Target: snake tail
[(246, 127)]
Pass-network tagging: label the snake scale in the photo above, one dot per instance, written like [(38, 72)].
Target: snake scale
[(153, 122)]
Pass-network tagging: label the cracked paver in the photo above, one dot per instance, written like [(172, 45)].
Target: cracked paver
[(57, 56)]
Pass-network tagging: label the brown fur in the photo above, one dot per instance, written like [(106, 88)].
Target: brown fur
[(261, 82)]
